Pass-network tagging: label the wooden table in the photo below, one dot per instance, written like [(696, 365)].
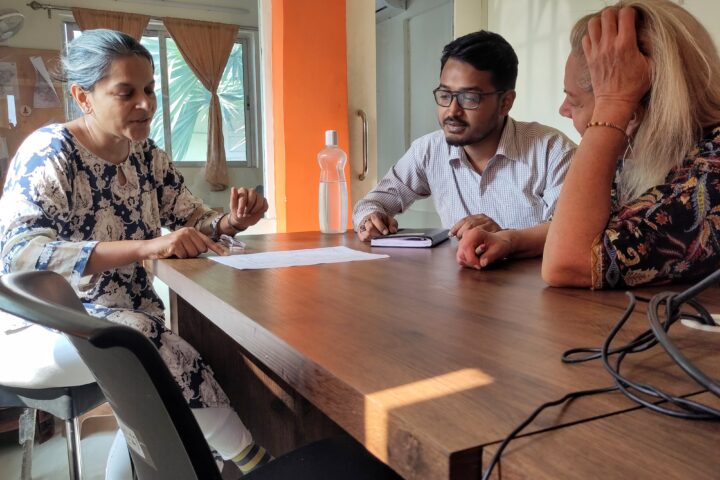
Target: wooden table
[(638, 445), (423, 362)]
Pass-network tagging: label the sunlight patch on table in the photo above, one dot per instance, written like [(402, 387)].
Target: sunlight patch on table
[(378, 404)]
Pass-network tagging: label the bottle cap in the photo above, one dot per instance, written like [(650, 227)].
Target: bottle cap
[(331, 138)]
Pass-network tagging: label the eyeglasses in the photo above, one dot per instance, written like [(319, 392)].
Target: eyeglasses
[(466, 100)]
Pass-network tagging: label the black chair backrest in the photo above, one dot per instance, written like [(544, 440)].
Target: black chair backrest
[(164, 439)]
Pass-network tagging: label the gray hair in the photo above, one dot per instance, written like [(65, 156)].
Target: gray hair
[(89, 56)]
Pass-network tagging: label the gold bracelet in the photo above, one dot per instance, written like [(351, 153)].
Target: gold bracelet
[(609, 125)]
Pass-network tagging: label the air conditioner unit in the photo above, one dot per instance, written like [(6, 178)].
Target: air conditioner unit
[(385, 9)]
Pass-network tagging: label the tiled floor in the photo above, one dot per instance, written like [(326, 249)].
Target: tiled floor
[(50, 458)]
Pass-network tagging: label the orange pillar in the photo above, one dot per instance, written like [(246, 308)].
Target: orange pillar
[(309, 82)]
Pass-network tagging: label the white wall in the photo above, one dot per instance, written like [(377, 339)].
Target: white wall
[(469, 16), (540, 39), (42, 32), (707, 11)]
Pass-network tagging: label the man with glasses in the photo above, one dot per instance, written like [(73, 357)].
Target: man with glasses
[(482, 168)]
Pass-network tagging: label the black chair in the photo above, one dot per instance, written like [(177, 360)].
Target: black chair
[(164, 440), (68, 402)]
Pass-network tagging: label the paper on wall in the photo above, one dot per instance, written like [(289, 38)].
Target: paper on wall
[(8, 94), (4, 161), (45, 95)]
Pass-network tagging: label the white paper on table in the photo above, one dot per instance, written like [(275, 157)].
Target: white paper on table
[(45, 95), (295, 258)]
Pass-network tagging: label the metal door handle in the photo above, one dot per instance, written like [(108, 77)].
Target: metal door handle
[(362, 115)]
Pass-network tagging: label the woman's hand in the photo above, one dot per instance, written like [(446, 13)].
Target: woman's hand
[(247, 207), (479, 248), (183, 243), (619, 72)]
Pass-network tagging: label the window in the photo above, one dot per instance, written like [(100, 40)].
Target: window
[(181, 122)]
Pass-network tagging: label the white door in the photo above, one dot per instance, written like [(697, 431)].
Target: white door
[(409, 46), (362, 111)]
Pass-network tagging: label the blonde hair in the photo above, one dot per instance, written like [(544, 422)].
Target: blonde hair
[(684, 96)]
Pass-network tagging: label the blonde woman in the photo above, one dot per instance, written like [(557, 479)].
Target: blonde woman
[(641, 199)]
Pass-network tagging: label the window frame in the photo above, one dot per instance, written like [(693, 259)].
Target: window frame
[(248, 38)]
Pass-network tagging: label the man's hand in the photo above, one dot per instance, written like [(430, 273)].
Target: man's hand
[(479, 248), (376, 224), (472, 221), (182, 243)]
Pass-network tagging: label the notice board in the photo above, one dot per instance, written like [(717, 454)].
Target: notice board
[(29, 98)]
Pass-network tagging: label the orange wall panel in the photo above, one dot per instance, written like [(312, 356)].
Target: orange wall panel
[(310, 96), (278, 115)]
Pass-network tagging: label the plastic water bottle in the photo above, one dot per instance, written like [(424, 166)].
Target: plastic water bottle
[(333, 201)]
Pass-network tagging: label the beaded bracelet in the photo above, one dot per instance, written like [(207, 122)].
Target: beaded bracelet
[(609, 125)]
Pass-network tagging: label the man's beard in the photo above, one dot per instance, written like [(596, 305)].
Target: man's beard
[(475, 138), (461, 142)]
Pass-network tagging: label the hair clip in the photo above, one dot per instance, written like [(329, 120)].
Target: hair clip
[(231, 243)]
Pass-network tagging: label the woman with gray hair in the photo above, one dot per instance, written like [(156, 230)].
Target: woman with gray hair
[(87, 199), (641, 200)]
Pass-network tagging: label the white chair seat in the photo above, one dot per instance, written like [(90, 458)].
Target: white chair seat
[(36, 357)]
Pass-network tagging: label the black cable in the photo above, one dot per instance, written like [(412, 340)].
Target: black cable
[(570, 396), (638, 344), (660, 333), (688, 408), (684, 408), (694, 291)]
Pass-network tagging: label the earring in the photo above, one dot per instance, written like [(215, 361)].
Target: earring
[(87, 110)]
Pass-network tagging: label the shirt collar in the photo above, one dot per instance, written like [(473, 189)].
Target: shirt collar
[(507, 147)]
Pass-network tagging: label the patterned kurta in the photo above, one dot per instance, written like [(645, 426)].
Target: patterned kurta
[(670, 233), (60, 200)]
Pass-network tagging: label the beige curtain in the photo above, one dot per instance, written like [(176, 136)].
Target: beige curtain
[(206, 48), (130, 23)]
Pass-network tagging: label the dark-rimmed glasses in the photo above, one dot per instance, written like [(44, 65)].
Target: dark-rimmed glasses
[(466, 100)]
